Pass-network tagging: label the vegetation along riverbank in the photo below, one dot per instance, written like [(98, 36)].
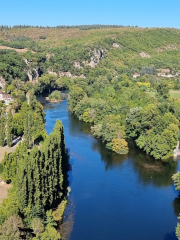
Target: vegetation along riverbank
[(119, 80), (37, 171)]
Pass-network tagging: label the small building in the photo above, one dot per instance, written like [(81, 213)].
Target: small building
[(165, 75), (135, 75), (161, 74)]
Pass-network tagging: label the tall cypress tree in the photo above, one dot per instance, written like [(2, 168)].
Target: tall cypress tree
[(28, 128), (9, 128), (40, 178), (2, 126)]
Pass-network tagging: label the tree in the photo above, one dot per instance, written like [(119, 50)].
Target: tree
[(2, 125), (119, 146), (163, 90), (37, 226), (10, 229), (9, 128), (50, 233)]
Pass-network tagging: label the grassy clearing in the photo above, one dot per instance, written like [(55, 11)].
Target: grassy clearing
[(173, 94)]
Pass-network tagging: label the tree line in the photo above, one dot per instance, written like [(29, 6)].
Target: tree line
[(37, 169)]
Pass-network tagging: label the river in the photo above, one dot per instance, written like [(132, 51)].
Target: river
[(114, 197)]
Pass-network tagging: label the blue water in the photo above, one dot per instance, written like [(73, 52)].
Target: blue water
[(112, 196)]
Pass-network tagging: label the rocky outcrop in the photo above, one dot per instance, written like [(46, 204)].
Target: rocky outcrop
[(27, 61), (166, 48), (35, 73), (115, 45), (70, 75), (77, 65), (29, 73), (2, 82), (144, 55), (50, 71), (177, 151), (95, 57)]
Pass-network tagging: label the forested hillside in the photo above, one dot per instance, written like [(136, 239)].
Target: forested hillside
[(98, 65)]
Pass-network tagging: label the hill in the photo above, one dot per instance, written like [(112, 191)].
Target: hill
[(110, 50)]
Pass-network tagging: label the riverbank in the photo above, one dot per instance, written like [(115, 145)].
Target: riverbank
[(108, 189)]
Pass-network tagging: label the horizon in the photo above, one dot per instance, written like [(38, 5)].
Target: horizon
[(161, 14), (83, 25)]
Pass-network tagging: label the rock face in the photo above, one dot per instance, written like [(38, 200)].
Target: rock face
[(35, 73), (2, 82), (96, 56), (77, 65), (144, 55), (167, 48)]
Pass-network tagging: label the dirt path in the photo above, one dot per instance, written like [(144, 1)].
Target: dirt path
[(17, 50), (6, 149), (9, 149), (4, 190)]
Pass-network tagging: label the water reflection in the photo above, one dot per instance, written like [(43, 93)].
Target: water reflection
[(170, 236), (158, 173), (134, 186), (78, 126), (110, 159)]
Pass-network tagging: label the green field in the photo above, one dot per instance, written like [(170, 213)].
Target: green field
[(173, 94)]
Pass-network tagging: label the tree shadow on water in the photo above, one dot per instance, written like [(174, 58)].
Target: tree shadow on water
[(176, 206), (170, 236)]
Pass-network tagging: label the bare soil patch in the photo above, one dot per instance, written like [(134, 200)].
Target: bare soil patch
[(4, 190), (5, 149), (17, 50)]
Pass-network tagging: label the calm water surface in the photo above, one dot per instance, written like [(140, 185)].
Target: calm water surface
[(114, 197)]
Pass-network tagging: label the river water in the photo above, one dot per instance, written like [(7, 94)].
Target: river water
[(114, 197)]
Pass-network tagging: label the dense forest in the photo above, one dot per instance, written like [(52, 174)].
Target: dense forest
[(121, 81)]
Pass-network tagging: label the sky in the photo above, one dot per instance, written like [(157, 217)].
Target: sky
[(154, 13)]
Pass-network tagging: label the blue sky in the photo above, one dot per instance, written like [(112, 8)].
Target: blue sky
[(143, 13)]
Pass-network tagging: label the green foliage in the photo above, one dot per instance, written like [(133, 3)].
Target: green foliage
[(155, 133), (9, 128), (58, 214), (39, 176), (178, 229), (11, 65), (10, 229), (56, 95), (176, 179), (2, 125), (50, 233), (120, 146), (9, 206), (163, 90), (37, 226)]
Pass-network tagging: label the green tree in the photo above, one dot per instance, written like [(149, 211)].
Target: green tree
[(10, 229), (163, 90), (9, 128)]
